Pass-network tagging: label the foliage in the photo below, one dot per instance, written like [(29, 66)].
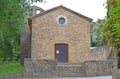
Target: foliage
[(97, 37), (11, 68), (112, 23), (12, 14)]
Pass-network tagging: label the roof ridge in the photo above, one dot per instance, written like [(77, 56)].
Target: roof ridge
[(61, 6)]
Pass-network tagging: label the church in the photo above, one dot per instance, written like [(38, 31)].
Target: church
[(57, 34), (56, 43)]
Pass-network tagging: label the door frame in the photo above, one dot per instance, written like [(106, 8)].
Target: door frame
[(52, 49)]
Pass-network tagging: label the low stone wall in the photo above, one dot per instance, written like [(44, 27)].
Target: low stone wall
[(100, 53), (98, 68), (86, 69), (12, 76), (40, 68), (50, 69)]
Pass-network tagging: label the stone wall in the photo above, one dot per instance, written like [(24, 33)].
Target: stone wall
[(101, 53), (116, 73), (12, 76), (116, 69), (25, 45), (50, 69), (98, 68), (39, 68), (25, 41), (86, 69)]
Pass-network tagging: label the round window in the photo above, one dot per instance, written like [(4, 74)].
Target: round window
[(61, 20)]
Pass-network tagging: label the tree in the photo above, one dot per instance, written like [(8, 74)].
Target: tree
[(97, 37), (12, 14), (112, 24)]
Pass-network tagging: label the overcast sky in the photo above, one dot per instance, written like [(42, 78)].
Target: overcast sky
[(91, 8)]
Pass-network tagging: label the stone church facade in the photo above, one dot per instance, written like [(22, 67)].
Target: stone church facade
[(59, 34)]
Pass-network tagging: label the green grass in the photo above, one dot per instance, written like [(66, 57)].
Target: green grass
[(11, 68)]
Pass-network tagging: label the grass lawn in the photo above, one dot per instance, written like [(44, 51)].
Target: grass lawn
[(11, 68)]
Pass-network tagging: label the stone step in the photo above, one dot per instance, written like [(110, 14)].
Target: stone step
[(65, 70)]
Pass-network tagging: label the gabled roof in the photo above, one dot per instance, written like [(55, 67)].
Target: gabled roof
[(59, 7)]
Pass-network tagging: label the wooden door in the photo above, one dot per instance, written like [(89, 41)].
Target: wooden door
[(61, 53)]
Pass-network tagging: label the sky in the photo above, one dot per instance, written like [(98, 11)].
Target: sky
[(94, 9)]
